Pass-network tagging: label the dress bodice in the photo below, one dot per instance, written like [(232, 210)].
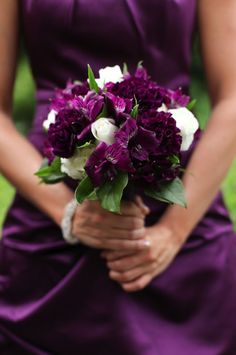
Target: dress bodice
[(62, 37)]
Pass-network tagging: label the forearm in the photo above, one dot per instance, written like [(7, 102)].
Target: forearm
[(19, 161), (206, 170)]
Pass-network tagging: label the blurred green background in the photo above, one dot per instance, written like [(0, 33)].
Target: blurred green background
[(24, 108)]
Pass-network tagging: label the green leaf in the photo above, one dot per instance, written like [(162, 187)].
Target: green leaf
[(174, 159), (172, 192), (84, 189), (191, 104), (85, 145), (50, 174), (110, 193), (134, 112), (93, 195), (92, 82), (125, 69), (140, 64)]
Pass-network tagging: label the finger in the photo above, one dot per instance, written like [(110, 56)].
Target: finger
[(114, 255), (95, 218), (145, 209), (114, 244), (129, 208), (127, 245), (132, 274), (108, 233), (138, 284), (130, 261), (122, 221)]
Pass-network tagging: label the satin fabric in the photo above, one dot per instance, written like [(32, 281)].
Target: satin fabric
[(58, 299)]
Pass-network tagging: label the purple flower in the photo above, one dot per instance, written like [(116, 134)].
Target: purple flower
[(126, 132), (178, 99), (147, 93), (61, 136), (48, 151), (141, 73), (145, 147), (80, 89), (117, 104), (164, 127), (105, 162), (73, 121), (94, 104), (98, 168)]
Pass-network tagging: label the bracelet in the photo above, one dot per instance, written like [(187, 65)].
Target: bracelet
[(66, 223)]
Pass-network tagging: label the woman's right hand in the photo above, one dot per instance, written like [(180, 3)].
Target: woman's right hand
[(101, 229)]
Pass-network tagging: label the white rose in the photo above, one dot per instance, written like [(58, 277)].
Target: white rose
[(109, 75), (51, 119), (187, 123), (104, 129), (74, 166)]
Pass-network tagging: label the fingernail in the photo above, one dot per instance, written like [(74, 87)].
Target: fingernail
[(112, 275), (145, 243)]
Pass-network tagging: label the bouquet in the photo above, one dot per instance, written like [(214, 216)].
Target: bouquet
[(117, 133)]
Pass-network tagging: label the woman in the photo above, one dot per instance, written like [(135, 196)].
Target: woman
[(82, 299)]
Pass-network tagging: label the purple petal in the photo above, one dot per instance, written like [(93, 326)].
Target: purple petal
[(84, 134), (96, 165), (126, 132), (141, 73), (119, 156)]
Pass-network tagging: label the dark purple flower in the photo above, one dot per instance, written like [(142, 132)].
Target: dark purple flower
[(48, 152), (106, 161), (147, 93), (119, 156), (147, 140), (178, 99), (62, 139), (164, 127), (126, 132), (98, 168), (117, 104), (94, 104), (141, 73), (80, 89)]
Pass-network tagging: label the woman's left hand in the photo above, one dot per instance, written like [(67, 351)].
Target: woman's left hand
[(134, 271)]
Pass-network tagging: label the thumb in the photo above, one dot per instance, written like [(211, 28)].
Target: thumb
[(139, 202)]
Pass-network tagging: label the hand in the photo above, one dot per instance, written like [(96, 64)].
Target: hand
[(98, 228), (135, 270)]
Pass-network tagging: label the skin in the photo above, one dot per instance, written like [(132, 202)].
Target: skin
[(135, 254)]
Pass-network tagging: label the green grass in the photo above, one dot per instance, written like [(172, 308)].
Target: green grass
[(23, 113), (6, 193), (229, 189)]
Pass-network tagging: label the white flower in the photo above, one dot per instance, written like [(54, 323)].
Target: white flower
[(74, 166), (51, 119), (109, 75), (104, 129), (187, 123)]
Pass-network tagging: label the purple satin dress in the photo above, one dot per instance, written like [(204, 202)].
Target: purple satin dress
[(58, 299)]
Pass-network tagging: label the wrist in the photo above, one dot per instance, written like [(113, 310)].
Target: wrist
[(56, 197), (174, 226)]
